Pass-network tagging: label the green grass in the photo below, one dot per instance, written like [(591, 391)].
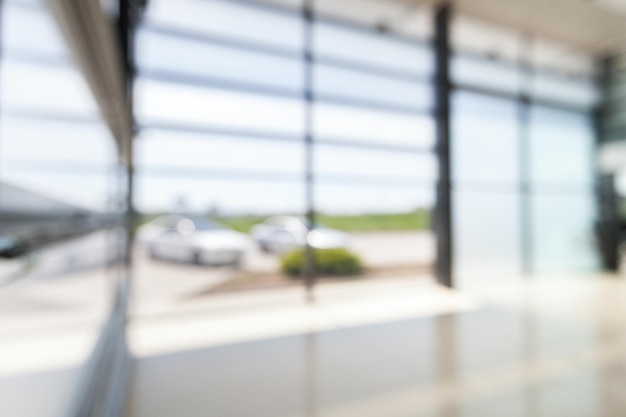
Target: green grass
[(415, 220), (241, 223)]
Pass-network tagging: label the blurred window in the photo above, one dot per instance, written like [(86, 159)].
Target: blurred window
[(61, 240)]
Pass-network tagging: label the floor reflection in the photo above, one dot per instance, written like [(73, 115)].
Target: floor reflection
[(310, 375), (555, 350), (52, 307)]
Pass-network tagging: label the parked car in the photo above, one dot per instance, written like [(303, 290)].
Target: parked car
[(193, 239), (282, 233)]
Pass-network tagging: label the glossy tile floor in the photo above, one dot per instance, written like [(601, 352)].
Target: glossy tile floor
[(397, 348)]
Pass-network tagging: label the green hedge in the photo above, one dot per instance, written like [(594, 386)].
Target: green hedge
[(333, 262)]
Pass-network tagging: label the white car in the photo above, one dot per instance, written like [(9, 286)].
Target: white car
[(283, 233), (193, 239)]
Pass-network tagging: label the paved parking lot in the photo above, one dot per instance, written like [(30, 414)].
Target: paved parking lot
[(158, 281)]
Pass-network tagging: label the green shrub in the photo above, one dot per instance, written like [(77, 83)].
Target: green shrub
[(327, 262)]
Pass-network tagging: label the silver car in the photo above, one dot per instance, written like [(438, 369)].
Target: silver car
[(283, 233), (193, 239)]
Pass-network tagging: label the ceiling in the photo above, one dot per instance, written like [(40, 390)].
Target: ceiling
[(593, 26), (589, 26)]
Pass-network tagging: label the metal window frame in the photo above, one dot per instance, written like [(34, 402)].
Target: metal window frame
[(444, 263)]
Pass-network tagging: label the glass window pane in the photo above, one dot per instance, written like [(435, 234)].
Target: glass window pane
[(185, 56), (361, 198), (228, 154), (485, 140), (30, 29), (485, 73), (487, 236), (224, 248), (29, 3), (90, 189), (30, 139), (333, 82), (357, 125), (572, 91), (388, 226), (371, 49), (197, 193), (230, 19), (38, 89), (348, 162), (563, 232), (561, 147), (164, 102)]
